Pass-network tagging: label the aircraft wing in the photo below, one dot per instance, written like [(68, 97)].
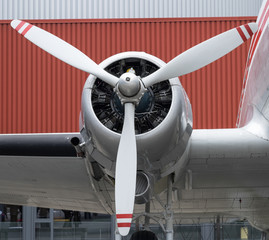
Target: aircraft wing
[(227, 175), (43, 170)]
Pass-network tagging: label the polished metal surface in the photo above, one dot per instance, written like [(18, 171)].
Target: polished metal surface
[(129, 85), (152, 152)]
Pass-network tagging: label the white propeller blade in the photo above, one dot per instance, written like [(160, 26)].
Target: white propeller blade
[(62, 50), (126, 166), (202, 54)]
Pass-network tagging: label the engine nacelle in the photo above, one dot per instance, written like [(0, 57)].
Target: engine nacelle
[(163, 118)]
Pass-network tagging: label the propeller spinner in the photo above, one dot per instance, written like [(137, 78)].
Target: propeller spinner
[(130, 88)]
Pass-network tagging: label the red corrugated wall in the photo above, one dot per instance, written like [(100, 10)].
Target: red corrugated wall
[(39, 93)]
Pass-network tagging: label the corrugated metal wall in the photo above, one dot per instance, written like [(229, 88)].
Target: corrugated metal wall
[(39, 93), (67, 9)]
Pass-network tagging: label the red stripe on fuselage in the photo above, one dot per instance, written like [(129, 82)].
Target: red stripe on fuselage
[(256, 40), (261, 23), (263, 19), (264, 11), (241, 33), (26, 29)]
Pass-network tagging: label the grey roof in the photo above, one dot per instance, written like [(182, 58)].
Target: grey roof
[(81, 9)]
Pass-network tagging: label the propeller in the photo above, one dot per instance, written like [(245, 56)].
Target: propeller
[(62, 50), (130, 89), (202, 54), (126, 172)]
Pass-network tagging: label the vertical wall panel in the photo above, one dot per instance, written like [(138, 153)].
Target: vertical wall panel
[(39, 93)]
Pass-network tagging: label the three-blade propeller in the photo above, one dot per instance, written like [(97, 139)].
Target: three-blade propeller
[(188, 61), (126, 171)]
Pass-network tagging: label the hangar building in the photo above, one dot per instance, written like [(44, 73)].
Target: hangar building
[(41, 94)]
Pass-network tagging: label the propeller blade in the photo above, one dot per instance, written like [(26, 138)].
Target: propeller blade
[(126, 166), (62, 50), (202, 54)]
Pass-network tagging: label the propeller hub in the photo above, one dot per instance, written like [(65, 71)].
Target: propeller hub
[(129, 85)]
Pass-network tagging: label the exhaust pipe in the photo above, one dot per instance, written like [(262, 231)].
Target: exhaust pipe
[(143, 190), (75, 141)]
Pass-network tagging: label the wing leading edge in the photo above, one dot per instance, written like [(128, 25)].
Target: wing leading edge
[(43, 170), (44, 144)]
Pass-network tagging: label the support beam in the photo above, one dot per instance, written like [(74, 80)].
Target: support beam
[(28, 223), (207, 231), (147, 218), (263, 236), (169, 213), (51, 224), (114, 230), (217, 228)]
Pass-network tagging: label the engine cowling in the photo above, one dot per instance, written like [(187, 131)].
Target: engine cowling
[(163, 118)]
